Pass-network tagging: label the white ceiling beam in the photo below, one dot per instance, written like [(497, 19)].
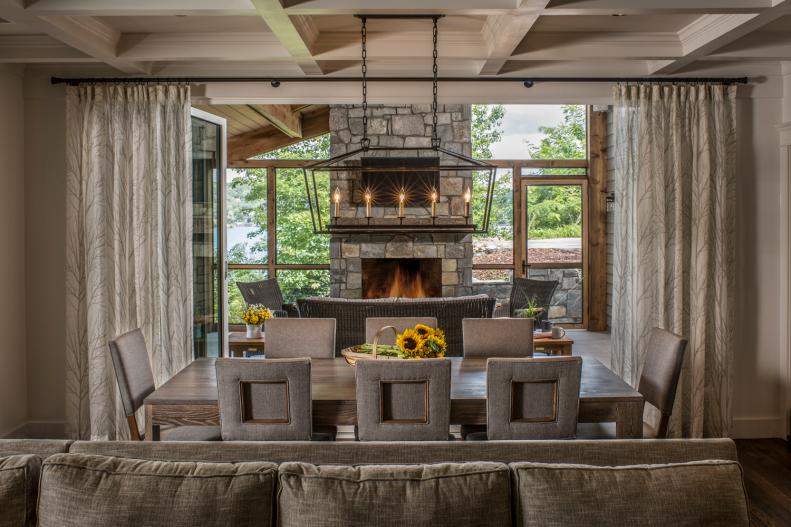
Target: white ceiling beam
[(38, 49), (666, 7), (504, 33), (758, 46), (709, 33), (597, 46), (347, 7), (141, 7), (297, 34), (86, 34), (203, 46)]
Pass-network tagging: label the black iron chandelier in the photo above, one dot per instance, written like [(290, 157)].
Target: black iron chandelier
[(378, 189)]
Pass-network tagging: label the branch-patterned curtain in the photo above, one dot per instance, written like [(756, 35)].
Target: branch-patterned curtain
[(675, 162), (129, 242)]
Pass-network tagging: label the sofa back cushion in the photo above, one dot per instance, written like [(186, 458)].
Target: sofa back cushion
[(88, 491), (707, 493), (454, 494), (18, 488)]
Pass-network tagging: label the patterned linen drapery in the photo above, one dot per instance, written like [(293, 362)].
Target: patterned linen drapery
[(675, 163), (129, 241)]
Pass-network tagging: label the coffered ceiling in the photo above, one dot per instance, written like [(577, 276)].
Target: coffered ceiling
[(321, 37)]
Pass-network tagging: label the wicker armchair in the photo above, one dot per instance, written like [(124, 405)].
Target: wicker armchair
[(351, 314), (267, 293), (525, 289)]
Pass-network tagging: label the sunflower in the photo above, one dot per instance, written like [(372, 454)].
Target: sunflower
[(424, 331), (410, 343)]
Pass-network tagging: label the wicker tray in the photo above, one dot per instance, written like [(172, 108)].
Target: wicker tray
[(353, 354)]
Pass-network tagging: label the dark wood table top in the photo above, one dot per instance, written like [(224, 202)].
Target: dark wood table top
[(333, 380)]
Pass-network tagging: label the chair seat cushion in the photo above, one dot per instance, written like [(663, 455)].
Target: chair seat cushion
[(390, 495), (707, 493), (191, 433), (18, 488), (92, 491)]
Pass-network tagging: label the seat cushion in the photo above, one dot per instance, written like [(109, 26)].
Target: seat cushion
[(88, 491), (191, 433), (449, 494), (18, 488), (707, 493)]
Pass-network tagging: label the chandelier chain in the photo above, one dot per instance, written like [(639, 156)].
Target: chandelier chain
[(365, 142), (434, 136)]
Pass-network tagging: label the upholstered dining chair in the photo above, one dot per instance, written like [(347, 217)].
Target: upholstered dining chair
[(136, 382), (497, 337), (299, 338), (534, 398), (399, 400), (267, 400), (372, 325), (658, 382)]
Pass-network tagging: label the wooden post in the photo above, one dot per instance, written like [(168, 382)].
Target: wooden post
[(597, 223), (271, 221)]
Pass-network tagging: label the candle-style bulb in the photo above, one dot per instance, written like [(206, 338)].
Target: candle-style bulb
[(433, 203), (336, 198), (467, 198), (401, 199), (367, 204)]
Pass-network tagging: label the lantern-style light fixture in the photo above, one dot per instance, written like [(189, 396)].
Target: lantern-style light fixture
[(375, 189)]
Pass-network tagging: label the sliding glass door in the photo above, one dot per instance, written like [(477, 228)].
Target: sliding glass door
[(208, 245)]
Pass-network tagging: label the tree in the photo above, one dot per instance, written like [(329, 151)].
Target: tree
[(487, 129), (568, 140)]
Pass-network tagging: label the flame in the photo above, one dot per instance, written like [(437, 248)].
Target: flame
[(399, 281)]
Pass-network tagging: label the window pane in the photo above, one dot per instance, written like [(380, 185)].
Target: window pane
[(496, 247), (554, 223), (246, 211), (301, 283), (236, 303), (492, 275), (529, 131), (296, 241)]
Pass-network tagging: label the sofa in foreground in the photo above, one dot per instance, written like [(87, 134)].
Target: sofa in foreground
[(527, 483)]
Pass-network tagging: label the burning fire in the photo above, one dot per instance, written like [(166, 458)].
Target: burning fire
[(399, 280)]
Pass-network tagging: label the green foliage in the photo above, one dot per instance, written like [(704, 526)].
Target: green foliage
[(554, 211), (568, 140), (487, 121), (487, 129)]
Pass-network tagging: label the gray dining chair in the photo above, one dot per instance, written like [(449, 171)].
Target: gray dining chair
[(136, 382), (497, 337), (403, 400), (658, 383), (534, 398), (267, 400), (288, 338), (372, 325)]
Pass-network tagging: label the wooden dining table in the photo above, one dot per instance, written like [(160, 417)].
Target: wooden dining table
[(190, 396)]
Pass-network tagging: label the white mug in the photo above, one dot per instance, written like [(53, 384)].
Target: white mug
[(558, 332)]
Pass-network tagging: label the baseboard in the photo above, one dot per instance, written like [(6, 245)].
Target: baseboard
[(38, 430), (758, 427)]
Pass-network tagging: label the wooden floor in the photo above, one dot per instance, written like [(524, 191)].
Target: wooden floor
[(767, 475)]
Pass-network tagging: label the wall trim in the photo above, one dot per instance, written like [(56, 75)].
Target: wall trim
[(758, 427), (38, 430)]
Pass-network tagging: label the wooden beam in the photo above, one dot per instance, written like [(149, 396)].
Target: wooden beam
[(597, 223), (282, 117), (297, 33), (712, 32), (504, 33), (270, 138)]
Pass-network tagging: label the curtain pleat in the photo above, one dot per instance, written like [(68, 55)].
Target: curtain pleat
[(129, 242)]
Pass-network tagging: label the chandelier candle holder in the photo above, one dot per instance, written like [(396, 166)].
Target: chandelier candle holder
[(354, 190)]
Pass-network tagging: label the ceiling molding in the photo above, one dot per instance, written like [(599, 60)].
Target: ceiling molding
[(599, 46), (23, 49), (503, 34)]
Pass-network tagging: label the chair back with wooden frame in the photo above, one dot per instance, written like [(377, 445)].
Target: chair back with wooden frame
[(661, 371), (133, 373), (498, 337)]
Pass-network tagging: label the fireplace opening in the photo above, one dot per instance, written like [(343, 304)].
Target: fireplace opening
[(402, 277)]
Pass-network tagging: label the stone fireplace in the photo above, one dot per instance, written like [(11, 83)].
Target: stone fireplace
[(441, 262)]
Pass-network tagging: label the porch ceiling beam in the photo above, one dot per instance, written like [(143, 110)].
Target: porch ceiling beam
[(282, 117), (710, 33), (504, 33), (249, 144), (297, 34)]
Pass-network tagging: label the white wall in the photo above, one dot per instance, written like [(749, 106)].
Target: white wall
[(13, 377)]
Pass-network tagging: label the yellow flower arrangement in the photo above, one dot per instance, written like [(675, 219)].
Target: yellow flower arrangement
[(255, 315), (421, 342)]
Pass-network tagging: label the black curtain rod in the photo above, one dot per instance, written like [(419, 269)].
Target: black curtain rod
[(277, 81)]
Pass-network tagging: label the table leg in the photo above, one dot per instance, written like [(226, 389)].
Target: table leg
[(152, 430), (629, 420)]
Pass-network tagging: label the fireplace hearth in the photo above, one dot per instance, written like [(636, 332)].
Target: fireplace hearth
[(401, 277)]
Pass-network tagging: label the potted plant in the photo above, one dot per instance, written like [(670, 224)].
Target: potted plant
[(255, 316), (531, 310)]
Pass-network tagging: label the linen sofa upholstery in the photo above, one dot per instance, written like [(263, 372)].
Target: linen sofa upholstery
[(446, 494), (403, 400), (498, 337), (374, 324), (299, 337), (38, 447), (264, 400), (93, 491), (532, 398), (19, 476), (351, 314)]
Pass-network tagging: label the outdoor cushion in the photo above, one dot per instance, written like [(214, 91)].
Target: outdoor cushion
[(447, 494), (18, 488), (88, 491), (707, 493)]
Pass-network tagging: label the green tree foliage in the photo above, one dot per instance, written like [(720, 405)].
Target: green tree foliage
[(568, 140), (487, 130)]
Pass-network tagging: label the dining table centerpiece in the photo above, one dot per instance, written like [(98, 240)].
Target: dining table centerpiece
[(254, 317), (418, 342)]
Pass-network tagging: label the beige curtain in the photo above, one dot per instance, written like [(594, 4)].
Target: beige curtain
[(674, 252), (129, 241)]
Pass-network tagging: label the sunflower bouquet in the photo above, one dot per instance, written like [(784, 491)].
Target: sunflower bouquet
[(421, 342)]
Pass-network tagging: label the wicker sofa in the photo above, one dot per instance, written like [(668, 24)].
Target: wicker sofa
[(495, 483), (351, 314)]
